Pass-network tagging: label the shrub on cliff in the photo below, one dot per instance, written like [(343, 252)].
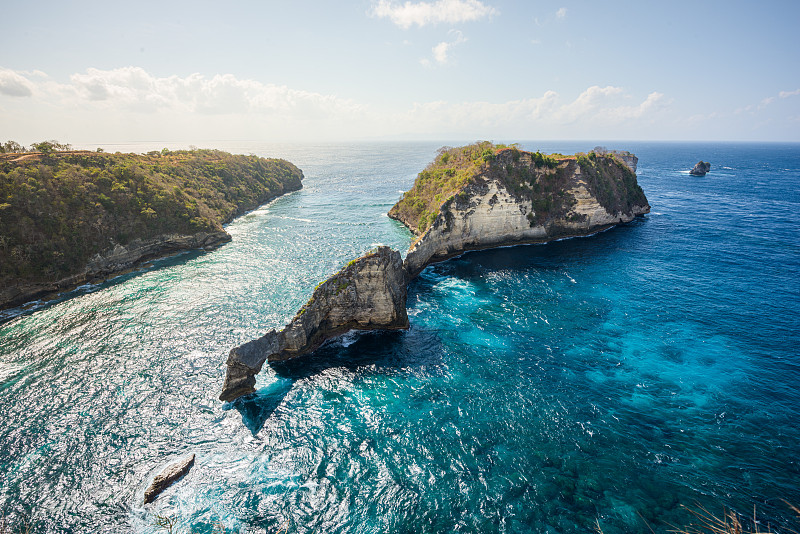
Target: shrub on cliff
[(446, 175), (611, 182)]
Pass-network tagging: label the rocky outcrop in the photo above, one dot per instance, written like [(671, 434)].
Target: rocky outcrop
[(122, 257), (628, 158), (701, 168), (369, 293), (509, 203), (167, 477), (114, 261)]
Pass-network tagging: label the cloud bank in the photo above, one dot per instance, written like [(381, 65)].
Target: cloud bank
[(425, 13), (13, 84), (128, 104)]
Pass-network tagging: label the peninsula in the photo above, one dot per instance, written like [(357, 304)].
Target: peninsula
[(470, 198), (71, 217)]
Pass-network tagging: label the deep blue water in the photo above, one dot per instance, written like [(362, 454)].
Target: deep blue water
[(608, 379)]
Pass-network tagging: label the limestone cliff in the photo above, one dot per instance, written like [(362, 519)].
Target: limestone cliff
[(515, 197), (368, 293), (628, 158), (472, 197)]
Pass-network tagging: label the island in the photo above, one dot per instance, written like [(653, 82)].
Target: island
[(484, 195), (701, 168), (72, 217), (469, 198)]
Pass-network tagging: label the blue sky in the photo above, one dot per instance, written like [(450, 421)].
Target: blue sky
[(106, 72)]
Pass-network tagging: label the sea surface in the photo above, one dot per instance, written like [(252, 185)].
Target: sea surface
[(602, 381)]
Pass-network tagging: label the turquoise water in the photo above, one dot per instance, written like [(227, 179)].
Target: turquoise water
[(540, 388)]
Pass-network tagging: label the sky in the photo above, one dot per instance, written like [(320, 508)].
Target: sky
[(85, 72)]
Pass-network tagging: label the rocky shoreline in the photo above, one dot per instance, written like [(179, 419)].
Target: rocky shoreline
[(111, 263), (76, 217), (486, 213)]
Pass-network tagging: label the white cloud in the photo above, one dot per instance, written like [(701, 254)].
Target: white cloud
[(587, 101), (424, 13), (135, 89), (597, 111), (441, 50), (561, 13), (752, 108), (653, 102), (129, 103), (14, 84)]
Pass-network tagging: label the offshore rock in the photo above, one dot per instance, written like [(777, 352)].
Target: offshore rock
[(166, 478), (701, 168), (369, 293), (519, 197)]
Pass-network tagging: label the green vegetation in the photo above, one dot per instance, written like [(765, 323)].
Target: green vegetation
[(45, 147), (543, 179), (453, 168), (611, 182), (58, 209), (449, 172)]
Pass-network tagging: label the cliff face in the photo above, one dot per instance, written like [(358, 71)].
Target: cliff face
[(368, 293), (113, 261), (519, 197), (627, 158)]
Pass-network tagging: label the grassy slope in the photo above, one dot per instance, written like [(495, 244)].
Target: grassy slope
[(57, 211), (544, 180)]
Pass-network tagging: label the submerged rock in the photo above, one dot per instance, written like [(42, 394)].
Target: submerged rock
[(701, 168), (369, 293), (165, 479)]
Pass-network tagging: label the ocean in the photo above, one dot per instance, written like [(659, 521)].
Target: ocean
[(609, 381)]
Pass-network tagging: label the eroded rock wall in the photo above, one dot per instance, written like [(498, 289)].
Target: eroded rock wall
[(369, 293)]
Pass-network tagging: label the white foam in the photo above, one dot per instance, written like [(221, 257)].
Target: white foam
[(348, 339)]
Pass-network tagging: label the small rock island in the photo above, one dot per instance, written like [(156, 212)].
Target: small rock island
[(470, 198), (701, 168)]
